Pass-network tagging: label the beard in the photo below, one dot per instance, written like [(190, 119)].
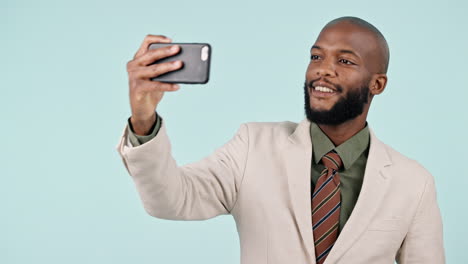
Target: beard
[(347, 108)]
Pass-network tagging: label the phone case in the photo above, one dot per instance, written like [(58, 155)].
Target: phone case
[(196, 68)]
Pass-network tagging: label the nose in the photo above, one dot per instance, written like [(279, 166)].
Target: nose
[(325, 69)]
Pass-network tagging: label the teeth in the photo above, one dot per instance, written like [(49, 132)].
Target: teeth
[(323, 89)]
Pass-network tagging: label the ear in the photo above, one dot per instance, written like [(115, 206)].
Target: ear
[(377, 83)]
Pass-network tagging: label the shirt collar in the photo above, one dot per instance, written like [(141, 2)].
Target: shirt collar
[(349, 151)]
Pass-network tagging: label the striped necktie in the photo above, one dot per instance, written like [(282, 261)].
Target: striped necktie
[(326, 204)]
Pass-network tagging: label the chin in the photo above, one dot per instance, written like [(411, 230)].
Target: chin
[(320, 106)]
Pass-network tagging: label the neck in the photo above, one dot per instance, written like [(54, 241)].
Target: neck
[(338, 134)]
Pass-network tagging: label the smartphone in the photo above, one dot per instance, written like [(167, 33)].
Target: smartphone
[(196, 68)]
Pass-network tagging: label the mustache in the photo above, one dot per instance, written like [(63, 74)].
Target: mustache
[(337, 87)]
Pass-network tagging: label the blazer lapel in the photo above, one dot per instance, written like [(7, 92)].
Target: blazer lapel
[(375, 185), (297, 155)]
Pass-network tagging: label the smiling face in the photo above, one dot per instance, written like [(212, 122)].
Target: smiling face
[(344, 72)]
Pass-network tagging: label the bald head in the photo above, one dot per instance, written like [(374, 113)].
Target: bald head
[(380, 50)]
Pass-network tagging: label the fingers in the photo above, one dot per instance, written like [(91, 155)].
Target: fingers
[(153, 55), (151, 39), (140, 71), (157, 69)]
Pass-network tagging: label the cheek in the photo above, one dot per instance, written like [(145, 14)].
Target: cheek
[(351, 80), (310, 72)]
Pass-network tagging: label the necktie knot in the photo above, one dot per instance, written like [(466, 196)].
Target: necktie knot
[(332, 160)]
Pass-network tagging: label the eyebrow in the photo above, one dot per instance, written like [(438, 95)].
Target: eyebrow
[(341, 51)]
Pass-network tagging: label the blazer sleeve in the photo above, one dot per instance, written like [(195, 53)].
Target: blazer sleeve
[(424, 240), (195, 191)]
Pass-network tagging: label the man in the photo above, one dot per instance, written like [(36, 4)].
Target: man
[(325, 190)]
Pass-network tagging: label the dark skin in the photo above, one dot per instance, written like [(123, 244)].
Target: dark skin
[(345, 54)]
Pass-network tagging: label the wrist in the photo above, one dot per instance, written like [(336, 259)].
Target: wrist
[(142, 126)]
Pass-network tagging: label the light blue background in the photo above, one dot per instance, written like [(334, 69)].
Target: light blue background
[(65, 196)]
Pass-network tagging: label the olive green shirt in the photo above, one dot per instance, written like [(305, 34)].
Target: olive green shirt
[(353, 153)]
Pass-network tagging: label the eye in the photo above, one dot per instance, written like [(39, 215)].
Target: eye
[(314, 57), (345, 61)]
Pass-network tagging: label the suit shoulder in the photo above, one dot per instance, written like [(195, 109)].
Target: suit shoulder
[(261, 131), (286, 127), (405, 164)]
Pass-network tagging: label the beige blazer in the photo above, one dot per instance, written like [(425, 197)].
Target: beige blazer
[(262, 178)]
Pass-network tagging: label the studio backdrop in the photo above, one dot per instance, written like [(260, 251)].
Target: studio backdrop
[(65, 195)]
